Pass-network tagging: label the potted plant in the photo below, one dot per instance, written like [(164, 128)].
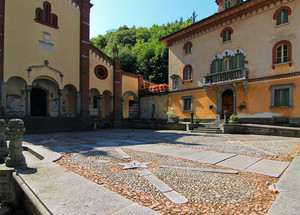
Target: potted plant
[(171, 115), (196, 119), (234, 119)]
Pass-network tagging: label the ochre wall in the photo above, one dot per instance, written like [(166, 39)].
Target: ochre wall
[(96, 83), (130, 83), (22, 42), (255, 35)]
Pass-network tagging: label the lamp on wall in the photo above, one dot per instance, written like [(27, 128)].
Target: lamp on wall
[(22, 92), (51, 95)]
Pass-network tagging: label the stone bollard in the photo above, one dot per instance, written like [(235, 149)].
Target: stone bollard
[(226, 117), (3, 144), (15, 130)]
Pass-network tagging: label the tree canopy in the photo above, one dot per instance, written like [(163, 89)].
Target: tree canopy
[(140, 50)]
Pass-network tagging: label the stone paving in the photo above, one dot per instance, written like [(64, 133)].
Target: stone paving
[(191, 165)]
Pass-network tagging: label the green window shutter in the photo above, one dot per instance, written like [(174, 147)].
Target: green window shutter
[(282, 97)]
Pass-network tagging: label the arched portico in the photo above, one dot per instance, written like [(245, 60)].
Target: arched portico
[(15, 98), (226, 100), (130, 106)]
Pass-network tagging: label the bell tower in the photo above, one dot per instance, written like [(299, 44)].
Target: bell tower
[(225, 4)]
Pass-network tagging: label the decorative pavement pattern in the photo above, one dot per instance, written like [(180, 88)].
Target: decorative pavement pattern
[(182, 166)]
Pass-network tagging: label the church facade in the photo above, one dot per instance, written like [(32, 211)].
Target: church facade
[(243, 59), (49, 68)]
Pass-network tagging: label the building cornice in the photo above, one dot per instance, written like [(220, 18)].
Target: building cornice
[(100, 54), (222, 19)]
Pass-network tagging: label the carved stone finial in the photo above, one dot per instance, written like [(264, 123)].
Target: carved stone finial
[(115, 50), (46, 62), (15, 130)]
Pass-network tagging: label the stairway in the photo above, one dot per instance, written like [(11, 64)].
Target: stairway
[(38, 124), (210, 128)]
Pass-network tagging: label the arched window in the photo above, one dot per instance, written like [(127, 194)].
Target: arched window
[(216, 66), (45, 17), (187, 47), (39, 14), (54, 19), (238, 61), (226, 34), (282, 52), (187, 73), (226, 64), (282, 14), (227, 4), (47, 12)]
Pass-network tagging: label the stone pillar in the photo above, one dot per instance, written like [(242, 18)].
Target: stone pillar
[(60, 92), (99, 105), (111, 106), (226, 117), (3, 145), (15, 130), (28, 107), (78, 105)]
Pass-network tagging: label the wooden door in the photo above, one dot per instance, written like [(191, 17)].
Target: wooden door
[(227, 104)]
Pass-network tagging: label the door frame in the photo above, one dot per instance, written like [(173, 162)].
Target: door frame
[(220, 92), (46, 99)]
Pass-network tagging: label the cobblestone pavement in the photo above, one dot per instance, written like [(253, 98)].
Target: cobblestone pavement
[(93, 155)]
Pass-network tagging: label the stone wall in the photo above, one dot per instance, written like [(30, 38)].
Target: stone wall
[(153, 125)]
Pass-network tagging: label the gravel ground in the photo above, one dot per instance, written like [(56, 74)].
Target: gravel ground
[(210, 193)]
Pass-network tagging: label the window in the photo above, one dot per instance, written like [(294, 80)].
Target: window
[(175, 84), (187, 103), (187, 73), (226, 34), (227, 4), (282, 53), (95, 102), (187, 47), (228, 62), (282, 14), (45, 17), (101, 72), (282, 95)]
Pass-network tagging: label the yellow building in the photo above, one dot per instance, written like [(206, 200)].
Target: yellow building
[(48, 68), (242, 59)]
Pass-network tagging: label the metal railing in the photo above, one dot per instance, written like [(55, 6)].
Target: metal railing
[(228, 76)]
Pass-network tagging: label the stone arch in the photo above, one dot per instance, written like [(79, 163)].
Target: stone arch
[(69, 97), (220, 92), (44, 97), (130, 106), (107, 104), (94, 102), (15, 94)]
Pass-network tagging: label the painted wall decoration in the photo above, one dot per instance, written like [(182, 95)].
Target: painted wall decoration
[(15, 103), (54, 105)]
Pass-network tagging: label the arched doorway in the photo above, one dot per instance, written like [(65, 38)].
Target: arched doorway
[(38, 102), (227, 102), (130, 105)]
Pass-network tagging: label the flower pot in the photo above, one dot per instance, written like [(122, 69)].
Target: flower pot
[(233, 122)]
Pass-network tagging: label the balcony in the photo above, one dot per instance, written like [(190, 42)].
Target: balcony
[(232, 76)]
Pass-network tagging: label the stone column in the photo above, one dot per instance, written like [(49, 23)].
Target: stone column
[(15, 130), (99, 105), (111, 106), (60, 92), (3, 145), (78, 109), (28, 107)]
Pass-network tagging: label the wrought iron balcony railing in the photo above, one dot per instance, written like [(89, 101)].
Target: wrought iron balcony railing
[(224, 77)]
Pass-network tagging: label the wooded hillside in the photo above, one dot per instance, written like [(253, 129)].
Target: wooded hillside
[(140, 50)]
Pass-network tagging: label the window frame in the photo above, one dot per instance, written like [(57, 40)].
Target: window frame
[(278, 11), (190, 75), (227, 4), (45, 17), (226, 34), (183, 98), (275, 53), (289, 86), (187, 44)]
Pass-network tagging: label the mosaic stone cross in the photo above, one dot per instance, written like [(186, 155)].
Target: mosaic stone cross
[(134, 165)]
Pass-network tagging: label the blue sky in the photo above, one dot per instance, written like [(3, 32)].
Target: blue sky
[(111, 14)]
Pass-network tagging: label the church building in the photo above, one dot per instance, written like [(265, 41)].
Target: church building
[(49, 68)]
